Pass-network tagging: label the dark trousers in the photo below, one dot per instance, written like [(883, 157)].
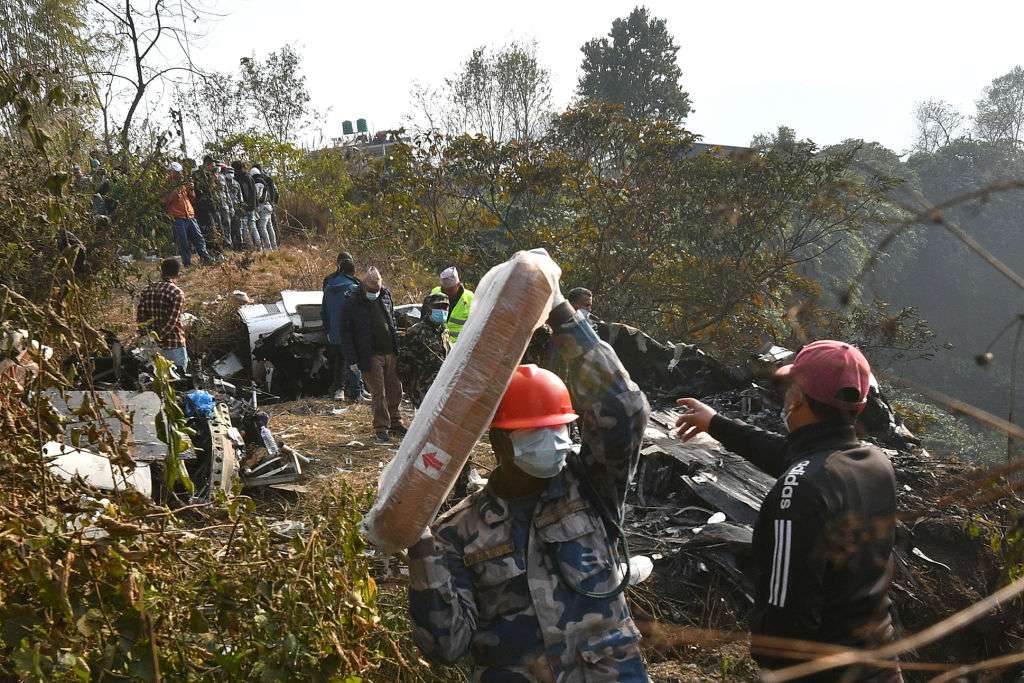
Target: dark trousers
[(207, 224), (236, 232), (342, 376)]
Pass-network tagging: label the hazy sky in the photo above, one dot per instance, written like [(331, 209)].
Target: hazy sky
[(831, 70)]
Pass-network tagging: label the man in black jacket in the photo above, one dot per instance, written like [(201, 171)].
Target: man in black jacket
[(248, 208), (369, 338), (824, 537)]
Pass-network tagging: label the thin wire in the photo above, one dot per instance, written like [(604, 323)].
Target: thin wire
[(1016, 319), (1010, 442)]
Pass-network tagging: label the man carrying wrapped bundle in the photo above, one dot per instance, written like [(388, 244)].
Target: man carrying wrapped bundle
[(523, 575)]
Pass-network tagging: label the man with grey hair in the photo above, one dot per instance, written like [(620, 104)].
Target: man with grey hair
[(369, 338), (460, 300)]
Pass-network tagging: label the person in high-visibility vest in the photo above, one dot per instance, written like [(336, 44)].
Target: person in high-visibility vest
[(460, 301)]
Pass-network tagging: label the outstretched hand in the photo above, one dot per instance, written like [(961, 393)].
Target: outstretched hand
[(695, 420)]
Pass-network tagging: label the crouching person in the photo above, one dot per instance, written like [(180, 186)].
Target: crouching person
[(823, 541), (523, 575)]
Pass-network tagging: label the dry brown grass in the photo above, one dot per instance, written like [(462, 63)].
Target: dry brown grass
[(726, 663), (343, 444), (296, 265)]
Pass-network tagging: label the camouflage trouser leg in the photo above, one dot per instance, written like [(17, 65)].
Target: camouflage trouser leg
[(224, 218)]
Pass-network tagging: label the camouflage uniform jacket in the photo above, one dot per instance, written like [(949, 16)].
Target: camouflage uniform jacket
[(424, 348), (485, 583)]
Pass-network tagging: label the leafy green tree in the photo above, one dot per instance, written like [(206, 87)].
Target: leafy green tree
[(690, 246), (216, 107), (45, 42), (276, 88), (965, 301), (635, 66), (1000, 115), (502, 94), (938, 123)]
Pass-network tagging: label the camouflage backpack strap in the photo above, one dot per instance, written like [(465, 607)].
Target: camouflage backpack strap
[(612, 527)]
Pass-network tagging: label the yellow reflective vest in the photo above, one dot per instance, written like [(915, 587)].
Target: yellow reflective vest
[(459, 314)]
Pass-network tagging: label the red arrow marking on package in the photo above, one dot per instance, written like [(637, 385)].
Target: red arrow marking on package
[(431, 460)]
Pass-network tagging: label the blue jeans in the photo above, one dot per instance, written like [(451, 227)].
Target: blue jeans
[(250, 231), (177, 355), (186, 236)]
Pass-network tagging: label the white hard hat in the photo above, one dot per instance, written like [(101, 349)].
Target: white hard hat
[(174, 166)]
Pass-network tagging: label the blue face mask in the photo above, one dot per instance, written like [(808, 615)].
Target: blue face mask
[(541, 452), (372, 296), (438, 316)]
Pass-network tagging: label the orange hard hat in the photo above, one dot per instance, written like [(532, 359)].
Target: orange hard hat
[(535, 398)]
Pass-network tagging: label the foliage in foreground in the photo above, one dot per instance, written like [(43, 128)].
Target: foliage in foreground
[(120, 589)]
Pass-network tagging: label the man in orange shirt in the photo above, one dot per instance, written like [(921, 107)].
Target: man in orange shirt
[(178, 205)]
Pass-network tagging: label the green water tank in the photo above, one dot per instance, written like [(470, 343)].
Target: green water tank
[(361, 126), (346, 127)]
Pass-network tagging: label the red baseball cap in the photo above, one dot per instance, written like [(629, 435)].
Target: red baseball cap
[(831, 372)]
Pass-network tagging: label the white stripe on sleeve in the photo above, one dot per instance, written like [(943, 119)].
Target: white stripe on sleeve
[(778, 584), (785, 563), (773, 582)]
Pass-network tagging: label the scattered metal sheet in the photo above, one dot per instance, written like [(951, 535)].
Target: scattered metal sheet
[(283, 468), (303, 308), (228, 366), (708, 475), (262, 319), (407, 315), (223, 460), (143, 406), (292, 488), (68, 462)]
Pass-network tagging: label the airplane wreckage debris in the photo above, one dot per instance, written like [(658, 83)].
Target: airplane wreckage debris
[(691, 507), (232, 442)]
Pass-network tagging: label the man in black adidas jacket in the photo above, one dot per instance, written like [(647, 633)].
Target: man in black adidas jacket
[(824, 536)]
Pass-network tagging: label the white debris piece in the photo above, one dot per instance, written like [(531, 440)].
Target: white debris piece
[(228, 365), (920, 553), (67, 462), (640, 568), (475, 481)]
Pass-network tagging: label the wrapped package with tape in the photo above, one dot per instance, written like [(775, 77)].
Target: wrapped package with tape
[(511, 302)]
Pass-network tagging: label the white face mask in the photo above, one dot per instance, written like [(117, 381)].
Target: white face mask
[(372, 296), (785, 416), (541, 452)]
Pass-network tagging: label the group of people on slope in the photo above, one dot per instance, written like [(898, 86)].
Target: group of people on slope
[(363, 346), (223, 204)]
